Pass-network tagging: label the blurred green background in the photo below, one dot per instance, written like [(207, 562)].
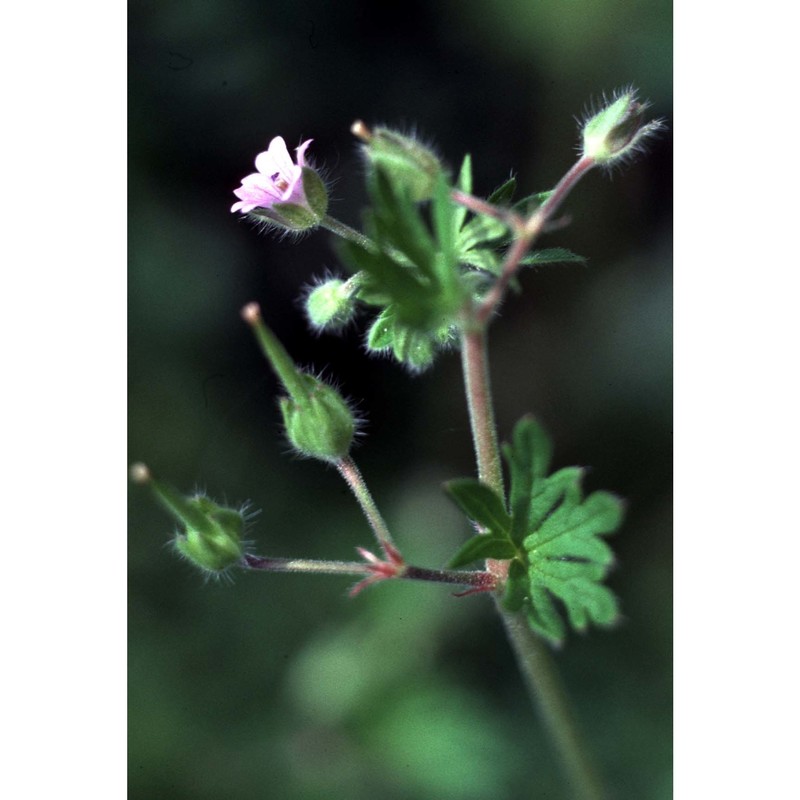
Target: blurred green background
[(280, 686)]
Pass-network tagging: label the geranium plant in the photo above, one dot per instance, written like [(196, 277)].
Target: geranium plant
[(426, 276)]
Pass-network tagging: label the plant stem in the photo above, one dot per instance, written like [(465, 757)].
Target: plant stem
[(533, 226), (478, 206), (550, 697), (346, 232), (534, 659), (478, 580), (474, 365), (350, 472)]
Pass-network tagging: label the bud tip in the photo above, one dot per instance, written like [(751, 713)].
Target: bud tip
[(251, 313), (361, 131), (140, 473)]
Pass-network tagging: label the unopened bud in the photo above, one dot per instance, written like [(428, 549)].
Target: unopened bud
[(210, 535), (617, 131), (406, 161), (321, 424), (331, 304)]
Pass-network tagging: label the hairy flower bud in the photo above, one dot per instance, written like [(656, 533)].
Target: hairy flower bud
[(210, 535), (320, 423), (331, 304), (406, 161), (618, 130)]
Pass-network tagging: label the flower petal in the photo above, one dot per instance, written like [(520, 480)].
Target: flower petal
[(301, 152), (275, 159)]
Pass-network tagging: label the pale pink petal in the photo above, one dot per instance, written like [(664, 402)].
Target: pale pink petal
[(301, 152), (278, 180), (275, 159)]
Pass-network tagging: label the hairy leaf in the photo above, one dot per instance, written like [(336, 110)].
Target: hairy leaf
[(559, 532)]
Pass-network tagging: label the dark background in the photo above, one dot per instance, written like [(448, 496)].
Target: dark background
[(279, 686)]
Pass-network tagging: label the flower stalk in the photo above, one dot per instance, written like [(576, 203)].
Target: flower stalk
[(531, 229), (373, 570), (352, 475)]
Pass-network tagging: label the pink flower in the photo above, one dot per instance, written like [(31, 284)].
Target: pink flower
[(278, 179)]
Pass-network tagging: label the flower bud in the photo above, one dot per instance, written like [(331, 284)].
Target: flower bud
[(319, 424), (617, 131), (331, 304), (210, 535), (406, 161)]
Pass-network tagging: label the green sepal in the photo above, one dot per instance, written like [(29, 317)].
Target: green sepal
[(481, 547), (618, 130), (292, 217), (217, 545), (315, 192), (481, 504)]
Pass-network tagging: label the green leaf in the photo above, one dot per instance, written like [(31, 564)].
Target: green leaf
[(481, 504), (464, 184), (563, 554), (381, 332), (502, 195), (528, 459), (568, 558), (527, 205), (481, 258), (411, 267), (549, 492), (543, 616), (552, 255), (572, 530), (482, 547), (481, 228)]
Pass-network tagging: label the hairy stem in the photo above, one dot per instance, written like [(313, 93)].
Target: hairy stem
[(550, 697), (532, 227), (477, 580), (534, 659), (474, 365), (350, 472), (346, 232)]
